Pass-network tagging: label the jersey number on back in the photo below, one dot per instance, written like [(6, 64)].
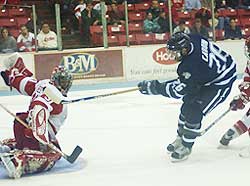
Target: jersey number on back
[(216, 57)]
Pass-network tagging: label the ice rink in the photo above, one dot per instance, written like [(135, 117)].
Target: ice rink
[(124, 139)]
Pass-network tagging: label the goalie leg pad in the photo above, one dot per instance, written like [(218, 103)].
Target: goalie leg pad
[(20, 162)]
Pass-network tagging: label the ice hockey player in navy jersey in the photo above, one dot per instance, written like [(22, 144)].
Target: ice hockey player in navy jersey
[(205, 77)]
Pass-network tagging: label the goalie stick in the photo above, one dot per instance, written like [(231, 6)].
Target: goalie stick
[(55, 95), (70, 158)]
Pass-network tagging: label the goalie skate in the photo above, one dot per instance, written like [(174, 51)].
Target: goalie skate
[(12, 165)]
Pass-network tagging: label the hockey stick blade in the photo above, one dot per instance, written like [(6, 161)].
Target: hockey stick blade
[(74, 155)]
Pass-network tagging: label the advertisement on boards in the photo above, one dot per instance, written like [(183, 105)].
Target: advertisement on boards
[(82, 65), (150, 62)]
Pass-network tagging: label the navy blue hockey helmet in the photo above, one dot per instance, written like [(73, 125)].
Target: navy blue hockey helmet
[(178, 41)]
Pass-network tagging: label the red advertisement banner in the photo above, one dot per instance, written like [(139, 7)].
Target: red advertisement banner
[(83, 65)]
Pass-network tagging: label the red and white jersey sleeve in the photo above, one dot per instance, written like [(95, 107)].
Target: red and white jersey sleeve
[(24, 84), (246, 76)]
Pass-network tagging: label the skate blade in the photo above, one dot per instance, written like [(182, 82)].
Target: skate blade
[(220, 146), (174, 160), (245, 153)]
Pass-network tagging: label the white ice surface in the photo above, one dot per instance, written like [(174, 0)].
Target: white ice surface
[(124, 139)]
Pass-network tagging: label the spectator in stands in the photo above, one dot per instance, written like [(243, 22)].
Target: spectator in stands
[(30, 24), (233, 31), (220, 21), (47, 39), (7, 42), (220, 4), (116, 17), (206, 3), (178, 5), (198, 28), (245, 4), (204, 14), (232, 3), (26, 40), (150, 26), (154, 9), (163, 22), (89, 17), (192, 5), (182, 28), (98, 5), (79, 8), (227, 4), (175, 7)]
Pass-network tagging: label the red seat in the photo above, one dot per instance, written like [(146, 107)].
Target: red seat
[(22, 21), (14, 32), (113, 41), (121, 7), (96, 34), (144, 39), (136, 17), (8, 22), (141, 7), (245, 22), (219, 34), (17, 12), (161, 38), (184, 15), (135, 28), (243, 13), (116, 29), (229, 13), (4, 13), (123, 41)]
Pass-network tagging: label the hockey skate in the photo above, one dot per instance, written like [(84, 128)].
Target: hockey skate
[(227, 137), (181, 153), (173, 146), (12, 165)]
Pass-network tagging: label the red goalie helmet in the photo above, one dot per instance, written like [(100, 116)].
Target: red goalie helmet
[(62, 79), (247, 48)]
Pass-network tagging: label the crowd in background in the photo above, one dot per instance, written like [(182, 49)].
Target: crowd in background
[(86, 13)]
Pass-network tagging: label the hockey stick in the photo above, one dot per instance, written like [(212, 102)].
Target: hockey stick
[(55, 95), (70, 158), (209, 126)]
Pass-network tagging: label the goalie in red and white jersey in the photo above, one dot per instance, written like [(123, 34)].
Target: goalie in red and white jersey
[(239, 102), (28, 151)]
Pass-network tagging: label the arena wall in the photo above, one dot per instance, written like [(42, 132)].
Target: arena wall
[(116, 64)]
